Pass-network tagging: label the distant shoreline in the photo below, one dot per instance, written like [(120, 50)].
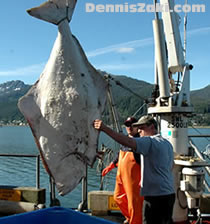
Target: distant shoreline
[(199, 126), (24, 125), (13, 125)]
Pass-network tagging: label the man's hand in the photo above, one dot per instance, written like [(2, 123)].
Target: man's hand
[(108, 169), (98, 124), (119, 137)]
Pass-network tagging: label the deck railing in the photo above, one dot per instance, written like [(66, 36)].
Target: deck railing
[(53, 200), (199, 155), (29, 156)]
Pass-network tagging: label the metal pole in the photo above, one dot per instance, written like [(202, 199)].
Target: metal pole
[(84, 189), (199, 136), (185, 33), (38, 171), (51, 191), (53, 200), (83, 205), (156, 13), (113, 109)]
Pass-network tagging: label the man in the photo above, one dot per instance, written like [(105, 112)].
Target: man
[(157, 187), (127, 187)]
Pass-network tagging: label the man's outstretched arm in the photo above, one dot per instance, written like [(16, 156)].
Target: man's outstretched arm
[(120, 138)]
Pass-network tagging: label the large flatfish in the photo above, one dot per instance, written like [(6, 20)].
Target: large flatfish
[(61, 106)]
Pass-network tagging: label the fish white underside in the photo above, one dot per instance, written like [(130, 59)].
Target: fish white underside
[(61, 107)]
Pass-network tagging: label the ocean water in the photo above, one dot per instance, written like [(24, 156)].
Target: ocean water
[(22, 171), (17, 171)]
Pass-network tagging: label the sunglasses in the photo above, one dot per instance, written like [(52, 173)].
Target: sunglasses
[(128, 124)]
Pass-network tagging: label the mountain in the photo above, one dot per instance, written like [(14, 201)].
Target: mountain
[(10, 92), (13, 89), (122, 89), (203, 93), (201, 99)]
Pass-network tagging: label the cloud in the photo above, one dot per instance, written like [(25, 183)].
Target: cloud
[(112, 67), (199, 31), (116, 48), (125, 47), (125, 50), (137, 44), (28, 70)]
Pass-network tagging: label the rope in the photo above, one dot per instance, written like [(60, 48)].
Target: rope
[(105, 160), (106, 156), (125, 87), (67, 12), (129, 90), (66, 17), (139, 109)]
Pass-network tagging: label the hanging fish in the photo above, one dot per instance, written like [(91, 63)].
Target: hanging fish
[(61, 106)]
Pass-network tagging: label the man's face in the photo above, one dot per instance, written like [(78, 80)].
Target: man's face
[(145, 130), (132, 130)]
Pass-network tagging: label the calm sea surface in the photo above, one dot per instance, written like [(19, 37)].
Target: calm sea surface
[(22, 171)]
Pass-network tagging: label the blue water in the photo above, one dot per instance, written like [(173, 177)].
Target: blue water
[(22, 171)]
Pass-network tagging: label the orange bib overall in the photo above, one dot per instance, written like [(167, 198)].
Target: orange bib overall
[(127, 188)]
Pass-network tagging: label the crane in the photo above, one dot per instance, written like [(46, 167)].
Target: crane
[(172, 108)]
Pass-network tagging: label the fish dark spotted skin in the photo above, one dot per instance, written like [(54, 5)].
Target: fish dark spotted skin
[(62, 105)]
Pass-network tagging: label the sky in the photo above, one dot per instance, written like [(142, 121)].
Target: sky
[(120, 43)]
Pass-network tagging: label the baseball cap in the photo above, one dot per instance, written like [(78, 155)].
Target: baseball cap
[(130, 121), (146, 119)]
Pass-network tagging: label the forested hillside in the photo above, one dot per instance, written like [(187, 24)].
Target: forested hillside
[(126, 102), (10, 92)]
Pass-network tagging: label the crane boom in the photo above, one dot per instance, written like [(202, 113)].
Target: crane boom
[(171, 106)]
